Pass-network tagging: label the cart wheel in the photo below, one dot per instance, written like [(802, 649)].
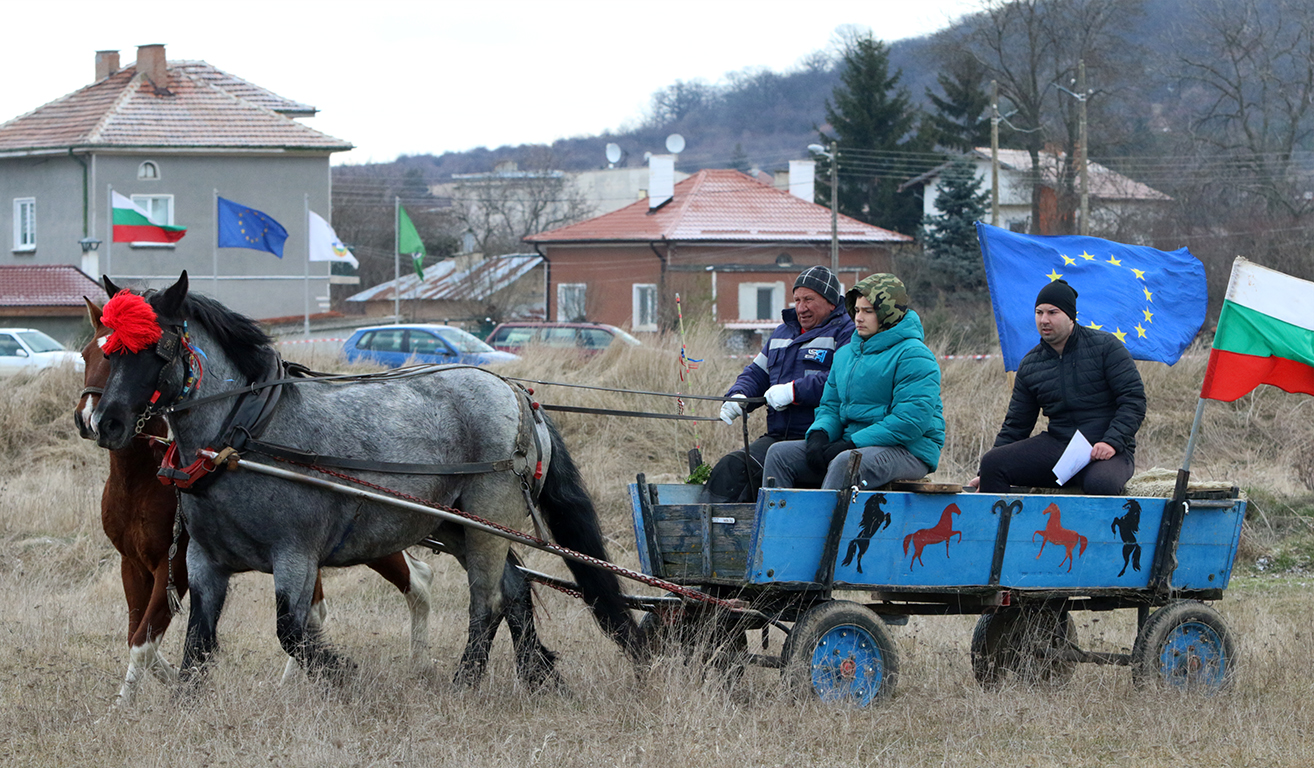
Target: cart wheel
[(841, 652), (1185, 644), (714, 641), (1018, 640)]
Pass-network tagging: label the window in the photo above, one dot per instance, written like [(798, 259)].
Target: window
[(9, 346), (383, 341), (427, 344), (761, 301), (644, 298), (570, 302), (148, 171), (25, 224), (158, 208), (594, 338)]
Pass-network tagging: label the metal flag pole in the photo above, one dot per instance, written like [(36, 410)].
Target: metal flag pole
[(306, 219), (396, 259), (215, 250), (109, 227)]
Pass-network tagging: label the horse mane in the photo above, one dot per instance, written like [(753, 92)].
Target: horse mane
[(245, 343)]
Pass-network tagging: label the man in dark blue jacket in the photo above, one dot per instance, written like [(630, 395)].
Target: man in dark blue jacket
[(790, 372)]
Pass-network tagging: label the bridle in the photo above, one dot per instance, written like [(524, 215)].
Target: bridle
[(174, 346)]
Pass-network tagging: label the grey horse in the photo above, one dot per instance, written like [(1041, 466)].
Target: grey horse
[(245, 521)]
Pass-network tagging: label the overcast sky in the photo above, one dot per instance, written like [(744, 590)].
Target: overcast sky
[(398, 77)]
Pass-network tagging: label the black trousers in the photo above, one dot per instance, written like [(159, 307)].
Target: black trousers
[(733, 479), (1031, 462)]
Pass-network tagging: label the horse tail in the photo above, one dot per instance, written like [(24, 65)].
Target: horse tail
[(853, 550), (906, 541), (573, 520), (1082, 540)]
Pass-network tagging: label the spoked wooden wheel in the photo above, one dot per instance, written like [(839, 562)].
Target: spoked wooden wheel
[(840, 652)]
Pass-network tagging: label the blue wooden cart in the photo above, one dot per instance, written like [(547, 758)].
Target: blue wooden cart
[(1022, 562)]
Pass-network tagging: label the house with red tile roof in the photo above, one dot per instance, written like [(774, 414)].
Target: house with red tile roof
[(171, 136), (730, 245), (49, 299)]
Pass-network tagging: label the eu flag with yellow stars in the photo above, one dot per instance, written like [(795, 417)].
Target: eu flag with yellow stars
[(242, 227), (1152, 301)]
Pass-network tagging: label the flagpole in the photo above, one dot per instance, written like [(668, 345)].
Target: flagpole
[(396, 259), (214, 252), (306, 218), (109, 235)]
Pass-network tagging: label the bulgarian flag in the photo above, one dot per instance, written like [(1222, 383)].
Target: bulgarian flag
[(133, 225), (1265, 335)]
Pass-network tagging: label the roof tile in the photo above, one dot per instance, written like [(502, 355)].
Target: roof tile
[(202, 107), (44, 286), (720, 205)]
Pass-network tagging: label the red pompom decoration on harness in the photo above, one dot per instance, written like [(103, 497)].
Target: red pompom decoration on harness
[(133, 322)]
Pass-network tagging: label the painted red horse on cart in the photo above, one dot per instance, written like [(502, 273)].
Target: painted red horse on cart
[(942, 531), (1055, 533)]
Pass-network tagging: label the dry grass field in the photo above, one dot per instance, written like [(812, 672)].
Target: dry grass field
[(63, 650)]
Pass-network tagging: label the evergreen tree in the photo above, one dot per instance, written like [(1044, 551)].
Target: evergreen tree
[(739, 160), (950, 237), (875, 125), (962, 116)]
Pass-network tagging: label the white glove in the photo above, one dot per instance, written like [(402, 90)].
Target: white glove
[(781, 396), (730, 410)]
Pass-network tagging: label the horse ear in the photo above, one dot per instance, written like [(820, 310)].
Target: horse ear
[(93, 312), (110, 288), (171, 300)]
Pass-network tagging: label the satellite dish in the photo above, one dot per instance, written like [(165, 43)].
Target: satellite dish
[(647, 156), (613, 153), (675, 143)]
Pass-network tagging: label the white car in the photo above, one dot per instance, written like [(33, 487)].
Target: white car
[(27, 349)]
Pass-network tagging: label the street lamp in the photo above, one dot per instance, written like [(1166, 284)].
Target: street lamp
[(833, 156), (89, 244)]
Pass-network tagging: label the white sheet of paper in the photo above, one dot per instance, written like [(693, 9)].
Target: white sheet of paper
[(1075, 457)]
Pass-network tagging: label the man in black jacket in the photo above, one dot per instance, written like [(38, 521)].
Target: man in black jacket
[(1083, 379)]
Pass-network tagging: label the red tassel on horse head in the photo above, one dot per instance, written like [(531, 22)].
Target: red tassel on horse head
[(133, 321)]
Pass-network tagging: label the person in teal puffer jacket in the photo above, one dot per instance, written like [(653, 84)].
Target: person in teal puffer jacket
[(882, 399)]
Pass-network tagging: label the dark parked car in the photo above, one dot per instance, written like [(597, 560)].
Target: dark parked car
[(587, 338), (395, 345)]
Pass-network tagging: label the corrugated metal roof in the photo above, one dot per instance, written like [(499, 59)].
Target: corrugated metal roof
[(456, 280), (720, 205), (202, 107), (45, 286)]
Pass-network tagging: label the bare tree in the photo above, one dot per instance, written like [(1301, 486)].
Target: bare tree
[(501, 208), (677, 100), (1032, 48), (1254, 63)]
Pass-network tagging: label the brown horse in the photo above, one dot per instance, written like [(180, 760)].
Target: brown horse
[(1055, 533), (943, 531), (137, 513)]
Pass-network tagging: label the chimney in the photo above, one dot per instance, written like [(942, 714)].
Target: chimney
[(661, 180), (802, 173), (107, 63), (151, 63)]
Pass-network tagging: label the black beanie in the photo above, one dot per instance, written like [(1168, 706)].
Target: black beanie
[(1061, 295), (821, 280)]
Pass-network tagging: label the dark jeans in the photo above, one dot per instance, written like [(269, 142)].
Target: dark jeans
[(1031, 462), (733, 479)]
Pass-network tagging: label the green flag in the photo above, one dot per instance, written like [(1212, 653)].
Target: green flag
[(408, 241)]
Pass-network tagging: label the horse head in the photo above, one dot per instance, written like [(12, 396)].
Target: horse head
[(95, 373), (147, 371)]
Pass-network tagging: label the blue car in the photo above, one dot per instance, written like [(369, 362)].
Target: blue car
[(396, 345)]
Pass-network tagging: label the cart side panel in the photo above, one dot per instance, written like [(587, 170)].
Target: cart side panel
[(889, 538), (1081, 542), (684, 531), (1206, 548), (640, 533)]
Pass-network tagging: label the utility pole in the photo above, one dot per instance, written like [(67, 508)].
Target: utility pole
[(1081, 158), (834, 209), (994, 153)]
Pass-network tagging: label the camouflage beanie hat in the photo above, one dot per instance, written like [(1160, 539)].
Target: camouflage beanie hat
[(886, 293)]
